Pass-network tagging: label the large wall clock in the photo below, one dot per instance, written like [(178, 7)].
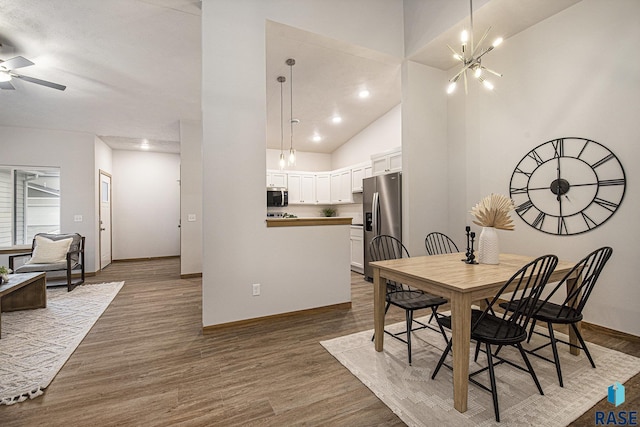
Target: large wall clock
[(567, 186)]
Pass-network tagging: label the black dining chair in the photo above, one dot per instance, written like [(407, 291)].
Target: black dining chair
[(569, 312), (384, 247), (509, 327), (437, 243)]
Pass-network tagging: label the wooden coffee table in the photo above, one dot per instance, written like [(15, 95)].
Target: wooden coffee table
[(23, 291)]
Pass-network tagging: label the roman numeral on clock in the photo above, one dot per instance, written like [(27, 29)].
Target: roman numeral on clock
[(558, 148), (524, 208)]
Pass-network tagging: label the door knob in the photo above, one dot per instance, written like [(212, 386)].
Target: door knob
[(102, 229)]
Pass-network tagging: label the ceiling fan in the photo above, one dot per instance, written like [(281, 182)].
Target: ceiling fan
[(7, 73)]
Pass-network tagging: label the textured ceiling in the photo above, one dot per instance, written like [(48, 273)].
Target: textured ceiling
[(133, 68)]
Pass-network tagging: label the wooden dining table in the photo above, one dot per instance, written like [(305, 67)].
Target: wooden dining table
[(462, 284)]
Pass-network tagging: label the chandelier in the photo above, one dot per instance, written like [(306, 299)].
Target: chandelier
[(471, 58)]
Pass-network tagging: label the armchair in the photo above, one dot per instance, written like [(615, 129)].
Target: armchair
[(54, 252)]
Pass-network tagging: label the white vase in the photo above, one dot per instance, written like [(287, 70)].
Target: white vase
[(488, 251)]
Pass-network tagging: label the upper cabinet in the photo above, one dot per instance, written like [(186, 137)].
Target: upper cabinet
[(276, 179), (358, 173), (390, 161), (323, 188), (302, 188), (341, 187)]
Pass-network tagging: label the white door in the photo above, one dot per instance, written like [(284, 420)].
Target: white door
[(105, 219)]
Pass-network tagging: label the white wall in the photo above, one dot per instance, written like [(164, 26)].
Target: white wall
[(570, 75), (103, 162), (146, 204), (305, 161), (382, 135), (424, 155), (190, 197), (73, 153), (234, 94)]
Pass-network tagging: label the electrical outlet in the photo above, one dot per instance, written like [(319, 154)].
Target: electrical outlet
[(77, 218), (191, 217), (256, 289)]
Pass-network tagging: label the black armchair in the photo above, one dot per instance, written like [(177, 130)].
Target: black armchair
[(54, 252)]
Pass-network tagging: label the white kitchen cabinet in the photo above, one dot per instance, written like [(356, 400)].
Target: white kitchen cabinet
[(388, 162), (276, 179), (323, 188), (358, 173), (341, 187), (368, 171), (302, 188), (357, 249)]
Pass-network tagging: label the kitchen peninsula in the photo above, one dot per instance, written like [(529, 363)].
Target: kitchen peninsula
[(306, 222)]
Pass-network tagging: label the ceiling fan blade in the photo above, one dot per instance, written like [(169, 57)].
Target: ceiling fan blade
[(17, 62), (6, 85), (39, 82)]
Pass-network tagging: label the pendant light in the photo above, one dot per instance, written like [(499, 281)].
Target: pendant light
[(292, 153), (472, 62), (281, 80)]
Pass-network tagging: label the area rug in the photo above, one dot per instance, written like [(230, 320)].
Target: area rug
[(418, 400), (35, 344)]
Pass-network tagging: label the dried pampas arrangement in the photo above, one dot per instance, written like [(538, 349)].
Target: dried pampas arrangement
[(493, 211)]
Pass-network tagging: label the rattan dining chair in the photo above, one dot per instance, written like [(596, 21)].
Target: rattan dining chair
[(569, 311), (384, 247), (437, 243), (508, 328)]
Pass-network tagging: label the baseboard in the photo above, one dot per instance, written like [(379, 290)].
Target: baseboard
[(191, 276), (610, 332), (213, 328), (145, 259)]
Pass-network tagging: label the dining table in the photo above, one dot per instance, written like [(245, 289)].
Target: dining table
[(463, 285)]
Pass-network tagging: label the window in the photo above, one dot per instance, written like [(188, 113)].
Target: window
[(29, 203)]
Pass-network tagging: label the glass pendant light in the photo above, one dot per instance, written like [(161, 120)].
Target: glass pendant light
[(281, 80), (292, 153)]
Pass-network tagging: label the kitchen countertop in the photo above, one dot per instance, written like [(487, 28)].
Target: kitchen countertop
[(305, 222)]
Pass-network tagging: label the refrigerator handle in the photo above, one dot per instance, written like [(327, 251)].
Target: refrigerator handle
[(375, 207)]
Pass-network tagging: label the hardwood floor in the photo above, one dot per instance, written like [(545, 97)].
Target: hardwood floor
[(146, 363)]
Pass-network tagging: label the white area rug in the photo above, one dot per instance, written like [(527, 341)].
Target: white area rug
[(35, 344), (418, 400)]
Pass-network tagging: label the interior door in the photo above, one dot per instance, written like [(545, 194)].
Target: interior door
[(105, 219)]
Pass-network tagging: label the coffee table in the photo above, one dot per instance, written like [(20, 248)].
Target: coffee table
[(23, 291)]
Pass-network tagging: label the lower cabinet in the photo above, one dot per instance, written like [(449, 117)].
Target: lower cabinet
[(357, 249)]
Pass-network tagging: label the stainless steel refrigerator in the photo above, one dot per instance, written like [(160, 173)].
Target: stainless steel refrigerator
[(381, 211)]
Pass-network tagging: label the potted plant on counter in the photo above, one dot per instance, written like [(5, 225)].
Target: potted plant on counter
[(328, 212)]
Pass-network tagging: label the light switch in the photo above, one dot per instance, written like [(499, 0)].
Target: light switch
[(77, 218), (191, 217)]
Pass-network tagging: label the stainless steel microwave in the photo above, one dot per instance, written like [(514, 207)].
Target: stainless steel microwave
[(277, 196)]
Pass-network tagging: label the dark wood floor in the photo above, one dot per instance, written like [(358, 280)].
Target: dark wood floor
[(146, 363)]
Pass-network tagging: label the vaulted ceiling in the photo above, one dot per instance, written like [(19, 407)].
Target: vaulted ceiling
[(133, 69)]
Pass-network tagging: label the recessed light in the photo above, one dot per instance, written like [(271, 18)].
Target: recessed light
[(145, 144), (364, 93), (336, 119), (316, 138)]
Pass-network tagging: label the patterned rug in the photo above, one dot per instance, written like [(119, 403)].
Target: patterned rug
[(418, 400), (35, 344)]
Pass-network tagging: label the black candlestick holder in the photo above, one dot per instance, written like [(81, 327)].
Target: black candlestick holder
[(467, 229), (471, 258)]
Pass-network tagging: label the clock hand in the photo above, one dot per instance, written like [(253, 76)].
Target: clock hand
[(559, 186), (558, 194)]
